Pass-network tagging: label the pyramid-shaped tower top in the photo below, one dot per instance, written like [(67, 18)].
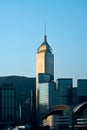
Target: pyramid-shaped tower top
[(44, 47)]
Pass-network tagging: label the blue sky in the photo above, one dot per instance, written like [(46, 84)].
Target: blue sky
[(22, 31)]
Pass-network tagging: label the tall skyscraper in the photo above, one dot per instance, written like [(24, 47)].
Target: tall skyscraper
[(44, 63)]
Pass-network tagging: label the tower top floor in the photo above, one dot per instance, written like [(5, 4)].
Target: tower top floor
[(44, 47)]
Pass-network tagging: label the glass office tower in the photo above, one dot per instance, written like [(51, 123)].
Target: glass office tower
[(65, 91), (48, 98), (82, 90), (7, 104)]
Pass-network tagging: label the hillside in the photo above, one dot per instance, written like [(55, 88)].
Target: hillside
[(23, 85)]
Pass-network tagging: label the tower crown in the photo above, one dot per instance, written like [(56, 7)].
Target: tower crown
[(44, 47)]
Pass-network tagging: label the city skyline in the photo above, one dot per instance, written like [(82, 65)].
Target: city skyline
[(22, 32)]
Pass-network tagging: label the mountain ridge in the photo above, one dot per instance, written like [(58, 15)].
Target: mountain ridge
[(23, 85)]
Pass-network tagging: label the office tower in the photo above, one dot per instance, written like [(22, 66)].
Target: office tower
[(44, 63), (7, 104), (65, 91), (46, 98), (82, 90), (48, 94)]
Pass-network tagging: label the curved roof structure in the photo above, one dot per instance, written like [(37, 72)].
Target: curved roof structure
[(44, 46), (81, 107), (61, 107), (57, 110)]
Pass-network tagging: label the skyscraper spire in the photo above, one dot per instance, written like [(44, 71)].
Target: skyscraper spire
[(45, 37), (44, 47), (45, 28)]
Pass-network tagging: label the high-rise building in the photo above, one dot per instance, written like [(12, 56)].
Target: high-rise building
[(7, 104), (65, 91), (48, 97), (44, 65), (82, 90)]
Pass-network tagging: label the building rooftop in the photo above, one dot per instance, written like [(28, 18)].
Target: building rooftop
[(44, 47)]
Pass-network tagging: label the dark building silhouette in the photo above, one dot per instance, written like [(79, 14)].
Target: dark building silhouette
[(7, 104), (82, 90), (23, 86), (65, 88), (75, 96)]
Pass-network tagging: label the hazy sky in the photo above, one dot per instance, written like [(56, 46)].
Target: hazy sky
[(22, 32)]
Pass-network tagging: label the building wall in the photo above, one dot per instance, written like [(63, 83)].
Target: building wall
[(48, 97), (82, 87), (7, 103), (65, 91), (45, 96), (49, 65), (45, 63), (40, 63), (82, 90), (54, 95), (56, 121), (75, 96)]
